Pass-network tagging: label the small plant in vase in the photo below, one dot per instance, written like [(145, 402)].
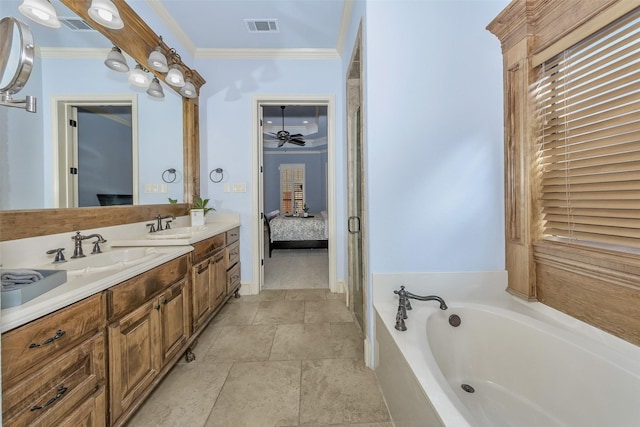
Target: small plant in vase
[(305, 209), (198, 211)]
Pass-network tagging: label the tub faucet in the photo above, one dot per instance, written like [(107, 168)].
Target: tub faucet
[(404, 305)]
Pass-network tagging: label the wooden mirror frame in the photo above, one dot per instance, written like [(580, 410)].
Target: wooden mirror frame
[(137, 39)]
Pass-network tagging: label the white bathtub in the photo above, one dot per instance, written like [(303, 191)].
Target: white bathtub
[(529, 365)]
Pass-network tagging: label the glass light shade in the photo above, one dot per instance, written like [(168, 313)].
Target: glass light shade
[(174, 77), (116, 61), (188, 90), (157, 61), (139, 77), (40, 11), (105, 13), (155, 89)]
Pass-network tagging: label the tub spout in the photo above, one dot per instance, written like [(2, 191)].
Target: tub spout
[(404, 305)]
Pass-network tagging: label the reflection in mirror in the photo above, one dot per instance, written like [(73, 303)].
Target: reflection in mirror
[(70, 65)]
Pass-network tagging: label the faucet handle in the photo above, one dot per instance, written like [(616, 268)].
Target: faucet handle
[(167, 225), (152, 227), (59, 255), (96, 246)]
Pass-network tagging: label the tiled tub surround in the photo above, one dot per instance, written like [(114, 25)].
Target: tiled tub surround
[(530, 365), (31, 253)]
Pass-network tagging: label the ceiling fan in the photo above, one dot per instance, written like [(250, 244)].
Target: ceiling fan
[(284, 136)]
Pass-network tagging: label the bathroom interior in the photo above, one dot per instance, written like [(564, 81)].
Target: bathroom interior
[(435, 181)]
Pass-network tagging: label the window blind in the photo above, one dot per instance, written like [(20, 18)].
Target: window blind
[(588, 101)]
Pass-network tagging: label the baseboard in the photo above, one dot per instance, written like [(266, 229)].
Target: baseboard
[(248, 289)]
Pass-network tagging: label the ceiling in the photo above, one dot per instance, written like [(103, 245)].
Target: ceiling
[(217, 28)]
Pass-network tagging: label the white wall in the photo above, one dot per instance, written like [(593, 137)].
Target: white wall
[(226, 130)]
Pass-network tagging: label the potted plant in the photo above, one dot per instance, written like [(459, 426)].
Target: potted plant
[(198, 210), (305, 208)]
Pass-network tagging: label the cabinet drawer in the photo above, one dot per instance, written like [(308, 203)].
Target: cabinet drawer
[(125, 297), (47, 394), (233, 235), (233, 254), (201, 250), (43, 338), (233, 277)]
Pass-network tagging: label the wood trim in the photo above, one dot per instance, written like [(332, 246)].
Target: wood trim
[(597, 286), (137, 39)]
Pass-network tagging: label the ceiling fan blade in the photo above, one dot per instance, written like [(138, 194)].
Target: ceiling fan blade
[(297, 135), (281, 143), (297, 142)]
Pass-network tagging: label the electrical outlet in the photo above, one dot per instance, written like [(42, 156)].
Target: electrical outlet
[(240, 188), (227, 188), (163, 188)]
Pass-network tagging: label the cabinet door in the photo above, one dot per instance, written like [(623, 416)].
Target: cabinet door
[(218, 271), (202, 296), (174, 319), (134, 355)]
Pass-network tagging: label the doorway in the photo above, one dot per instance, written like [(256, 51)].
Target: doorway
[(96, 154), (260, 243)]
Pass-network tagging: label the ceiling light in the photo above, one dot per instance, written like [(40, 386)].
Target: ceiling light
[(116, 61), (155, 89), (139, 77), (40, 11), (105, 13), (157, 61), (188, 90)]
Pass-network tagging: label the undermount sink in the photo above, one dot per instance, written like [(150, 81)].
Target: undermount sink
[(112, 260), (177, 233)]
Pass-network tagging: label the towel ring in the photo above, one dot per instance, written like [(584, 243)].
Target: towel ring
[(169, 175), (216, 175)]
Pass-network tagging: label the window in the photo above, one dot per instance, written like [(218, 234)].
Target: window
[(588, 100), (292, 188)]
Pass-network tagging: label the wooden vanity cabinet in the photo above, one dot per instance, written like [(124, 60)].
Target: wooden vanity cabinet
[(149, 329), (232, 260), (54, 369), (208, 279)]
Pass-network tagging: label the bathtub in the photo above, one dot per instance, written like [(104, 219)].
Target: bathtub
[(508, 363)]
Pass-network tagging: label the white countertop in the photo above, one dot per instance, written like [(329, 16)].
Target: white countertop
[(23, 254)]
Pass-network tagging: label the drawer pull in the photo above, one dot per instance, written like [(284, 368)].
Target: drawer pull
[(58, 334), (203, 269), (61, 391)]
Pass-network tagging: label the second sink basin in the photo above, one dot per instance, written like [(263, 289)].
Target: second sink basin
[(177, 233), (111, 260)]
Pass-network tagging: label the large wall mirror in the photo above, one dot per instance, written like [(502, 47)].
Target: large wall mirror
[(165, 131)]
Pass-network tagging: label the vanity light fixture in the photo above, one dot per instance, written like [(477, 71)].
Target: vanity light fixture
[(188, 90), (155, 90), (174, 76), (157, 61), (116, 60), (139, 76), (40, 11), (105, 13)]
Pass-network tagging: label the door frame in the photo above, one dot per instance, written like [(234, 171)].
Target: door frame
[(60, 137), (257, 152)]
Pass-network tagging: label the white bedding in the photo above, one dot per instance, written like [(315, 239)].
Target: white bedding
[(285, 228)]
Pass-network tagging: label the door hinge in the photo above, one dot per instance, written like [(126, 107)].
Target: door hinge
[(73, 171), (262, 261), (73, 123)]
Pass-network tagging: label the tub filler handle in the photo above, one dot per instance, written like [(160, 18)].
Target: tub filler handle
[(404, 305)]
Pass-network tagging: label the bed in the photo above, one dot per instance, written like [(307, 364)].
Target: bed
[(289, 232)]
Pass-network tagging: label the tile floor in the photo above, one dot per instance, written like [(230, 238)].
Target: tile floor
[(286, 266), (280, 358)]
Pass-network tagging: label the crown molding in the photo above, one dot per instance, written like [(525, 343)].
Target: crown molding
[(347, 9), (301, 53)]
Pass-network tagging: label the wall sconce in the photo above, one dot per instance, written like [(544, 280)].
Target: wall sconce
[(105, 13), (174, 76), (139, 76), (116, 60), (156, 60), (155, 90), (40, 11)]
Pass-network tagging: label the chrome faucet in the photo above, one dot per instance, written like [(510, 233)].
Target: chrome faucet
[(78, 238), (404, 305), (159, 225)]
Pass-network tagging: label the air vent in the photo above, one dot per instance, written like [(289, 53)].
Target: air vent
[(262, 25), (76, 24)]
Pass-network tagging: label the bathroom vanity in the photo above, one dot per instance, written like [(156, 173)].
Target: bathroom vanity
[(90, 351)]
